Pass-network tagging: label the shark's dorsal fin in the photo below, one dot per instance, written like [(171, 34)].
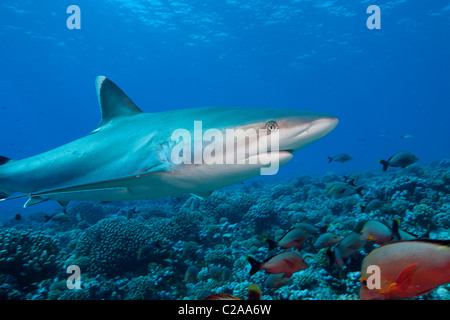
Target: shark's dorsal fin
[(114, 103)]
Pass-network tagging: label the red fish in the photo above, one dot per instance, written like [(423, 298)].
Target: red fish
[(254, 293), (351, 244), (287, 262), (294, 237), (407, 269)]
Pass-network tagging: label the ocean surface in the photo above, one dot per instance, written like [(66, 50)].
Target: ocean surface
[(389, 87)]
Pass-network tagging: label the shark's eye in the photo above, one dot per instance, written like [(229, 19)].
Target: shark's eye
[(271, 126)]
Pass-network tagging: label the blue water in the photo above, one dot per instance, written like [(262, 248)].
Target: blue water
[(311, 55), (303, 54)]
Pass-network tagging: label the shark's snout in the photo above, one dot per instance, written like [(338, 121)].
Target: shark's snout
[(302, 133), (322, 126)]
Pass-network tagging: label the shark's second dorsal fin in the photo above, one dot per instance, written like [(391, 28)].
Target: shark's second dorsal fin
[(113, 101)]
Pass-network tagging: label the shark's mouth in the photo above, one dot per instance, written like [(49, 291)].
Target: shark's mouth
[(270, 158)]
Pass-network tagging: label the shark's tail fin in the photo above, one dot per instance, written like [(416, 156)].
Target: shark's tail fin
[(3, 193), (4, 160)]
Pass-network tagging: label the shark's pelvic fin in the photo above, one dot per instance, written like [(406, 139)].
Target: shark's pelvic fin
[(114, 103), (63, 203), (203, 195)]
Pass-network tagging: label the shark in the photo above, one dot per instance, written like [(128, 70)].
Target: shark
[(134, 155)]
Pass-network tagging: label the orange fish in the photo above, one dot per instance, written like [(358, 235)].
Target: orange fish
[(407, 269), (287, 262), (294, 237), (254, 293), (351, 244), (221, 296)]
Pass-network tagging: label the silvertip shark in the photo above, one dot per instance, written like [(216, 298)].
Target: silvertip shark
[(129, 156)]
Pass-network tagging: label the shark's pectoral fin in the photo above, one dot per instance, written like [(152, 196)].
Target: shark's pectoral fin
[(34, 200), (107, 190), (63, 196)]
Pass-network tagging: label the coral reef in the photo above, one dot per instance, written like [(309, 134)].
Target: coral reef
[(111, 245), (187, 248), (27, 255)]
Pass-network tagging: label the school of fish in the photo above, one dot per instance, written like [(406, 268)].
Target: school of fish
[(401, 265)]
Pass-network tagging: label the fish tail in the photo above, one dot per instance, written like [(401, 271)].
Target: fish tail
[(351, 182), (256, 265), (330, 159), (324, 228), (272, 244), (359, 191), (331, 257), (384, 163), (337, 258), (395, 229)]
